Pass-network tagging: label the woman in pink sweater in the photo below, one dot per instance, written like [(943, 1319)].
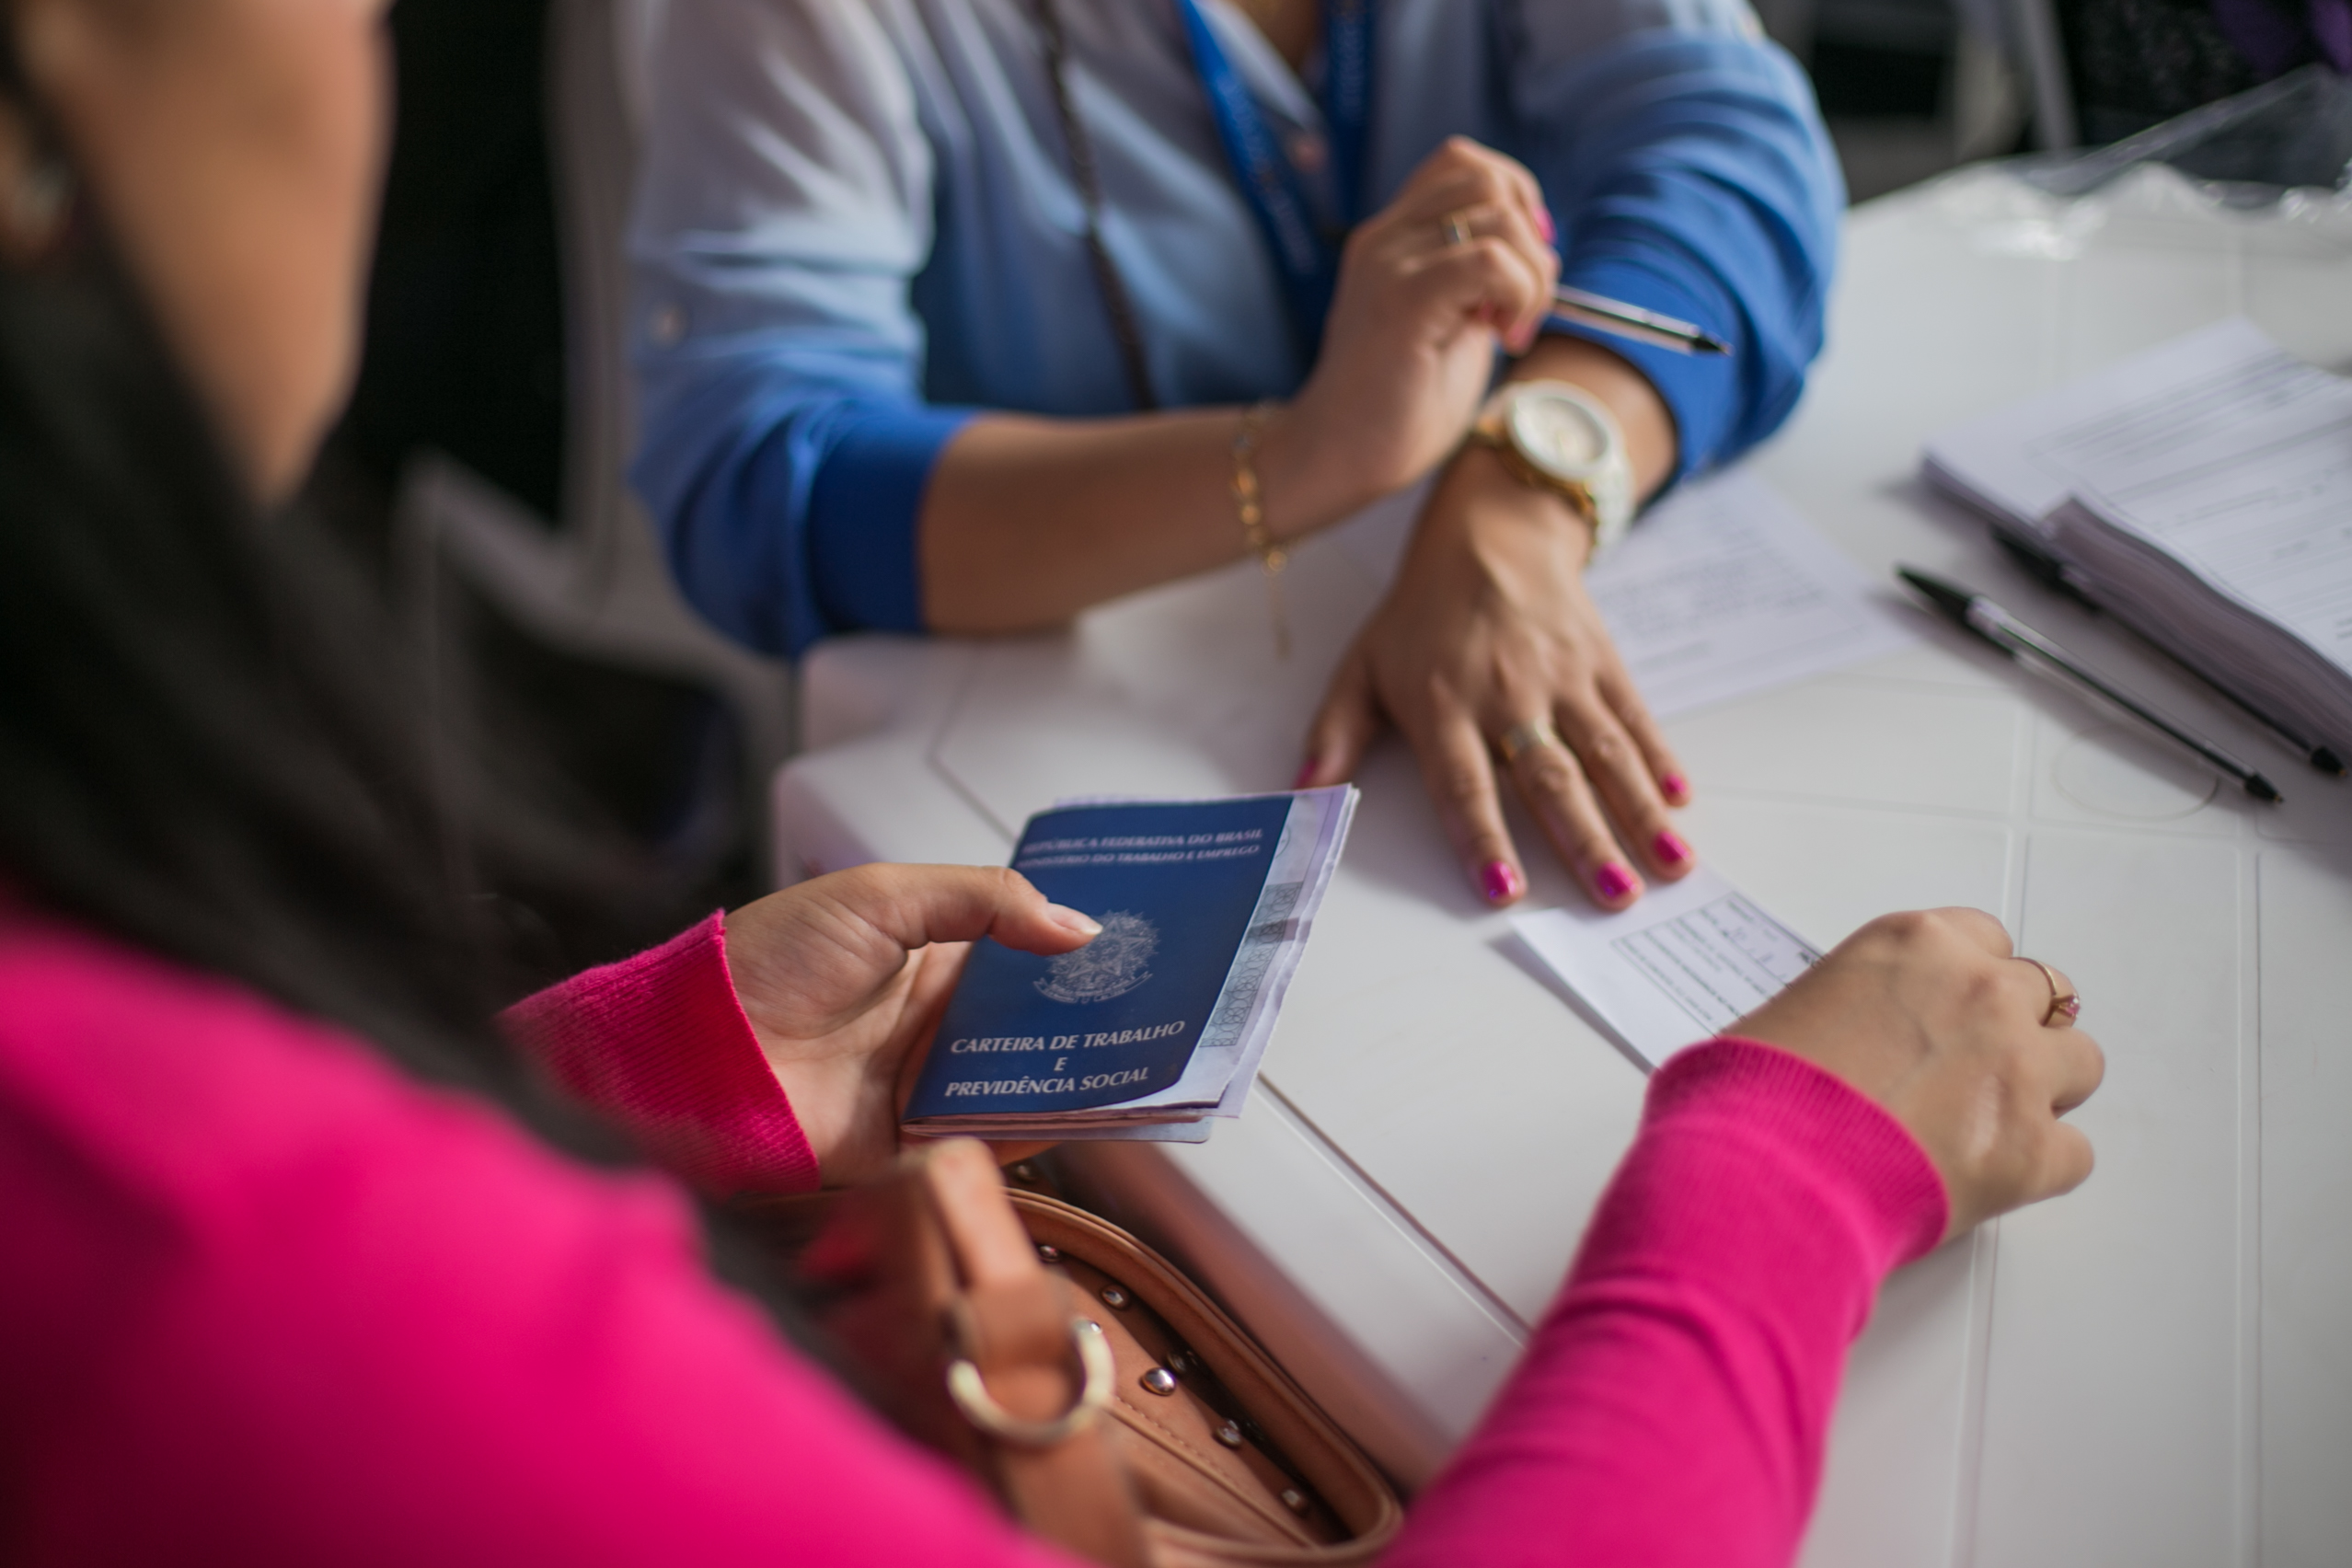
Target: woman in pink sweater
[(306, 1264)]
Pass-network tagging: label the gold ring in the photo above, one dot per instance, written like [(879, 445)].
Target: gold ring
[(1454, 227), (2064, 1006), (1525, 737)]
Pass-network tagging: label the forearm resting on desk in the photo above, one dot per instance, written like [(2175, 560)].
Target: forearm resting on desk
[(1029, 521)]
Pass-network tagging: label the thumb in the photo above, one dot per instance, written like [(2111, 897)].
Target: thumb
[(917, 905), (1344, 729)]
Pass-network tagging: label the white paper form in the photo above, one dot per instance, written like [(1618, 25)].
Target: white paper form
[(1681, 966), (2149, 415), (1724, 589)]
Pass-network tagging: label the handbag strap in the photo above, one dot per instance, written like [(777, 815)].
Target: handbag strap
[(978, 1350), (1071, 1488), (1036, 1384)]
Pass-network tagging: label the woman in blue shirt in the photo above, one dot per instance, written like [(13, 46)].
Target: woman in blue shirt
[(948, 312)]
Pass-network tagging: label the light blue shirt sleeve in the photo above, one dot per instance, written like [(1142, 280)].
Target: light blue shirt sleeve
[(855, 227), (784, 204)]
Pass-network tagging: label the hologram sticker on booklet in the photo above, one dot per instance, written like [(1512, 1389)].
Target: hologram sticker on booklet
[(1687, 961), (1205, 907)]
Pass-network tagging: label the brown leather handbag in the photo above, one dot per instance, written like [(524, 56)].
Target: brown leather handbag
[(1113, 1409)]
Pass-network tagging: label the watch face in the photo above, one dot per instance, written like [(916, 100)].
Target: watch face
[(1557, 436)]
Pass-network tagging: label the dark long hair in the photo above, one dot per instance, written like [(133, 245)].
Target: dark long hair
[(210, 744)]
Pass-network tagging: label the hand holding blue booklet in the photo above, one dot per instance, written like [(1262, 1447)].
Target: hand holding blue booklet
[(1158, 1024)]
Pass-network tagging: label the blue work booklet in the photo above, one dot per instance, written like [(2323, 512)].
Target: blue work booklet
[(1158, 1024)]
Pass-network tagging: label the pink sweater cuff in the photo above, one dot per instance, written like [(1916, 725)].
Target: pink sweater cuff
[(1846, 1146), (660, 1042)]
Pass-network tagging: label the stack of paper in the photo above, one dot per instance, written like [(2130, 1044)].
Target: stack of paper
[(1158, 1024), (2202, 493)]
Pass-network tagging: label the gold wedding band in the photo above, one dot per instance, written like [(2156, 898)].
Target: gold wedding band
[(1527, 737), (1455, 226), (2064, 1006)]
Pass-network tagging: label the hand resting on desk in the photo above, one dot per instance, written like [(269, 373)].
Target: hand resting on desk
[(1489, 626), (1930, 1014)]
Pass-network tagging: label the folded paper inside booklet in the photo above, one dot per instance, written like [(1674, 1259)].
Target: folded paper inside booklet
[(1156, 1026), (1684, 964)]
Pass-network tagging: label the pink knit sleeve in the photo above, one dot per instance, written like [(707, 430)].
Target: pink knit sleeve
[(1673, 1405), (660, 1042)]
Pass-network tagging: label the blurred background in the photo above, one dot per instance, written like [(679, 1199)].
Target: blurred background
[(479, 468)]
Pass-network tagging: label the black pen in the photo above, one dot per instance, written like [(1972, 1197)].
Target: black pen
[(1977, 613), (2051, 573)]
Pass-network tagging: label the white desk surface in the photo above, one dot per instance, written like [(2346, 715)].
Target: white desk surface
[(2156, 1371)]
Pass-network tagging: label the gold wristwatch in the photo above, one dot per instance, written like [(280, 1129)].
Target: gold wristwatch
[(1560, 438)]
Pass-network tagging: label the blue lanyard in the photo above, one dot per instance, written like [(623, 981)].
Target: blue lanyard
[(1306, 257)]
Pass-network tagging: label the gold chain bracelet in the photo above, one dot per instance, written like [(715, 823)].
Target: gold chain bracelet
[(1271, 555)]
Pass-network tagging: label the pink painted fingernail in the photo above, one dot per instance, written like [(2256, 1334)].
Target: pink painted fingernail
[(1501, 881), (1305, 773), (1670, 847), (1545, 227), (1613, 880), (1674, 784)]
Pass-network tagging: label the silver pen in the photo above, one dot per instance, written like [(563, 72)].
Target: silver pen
[(1633, 321)]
